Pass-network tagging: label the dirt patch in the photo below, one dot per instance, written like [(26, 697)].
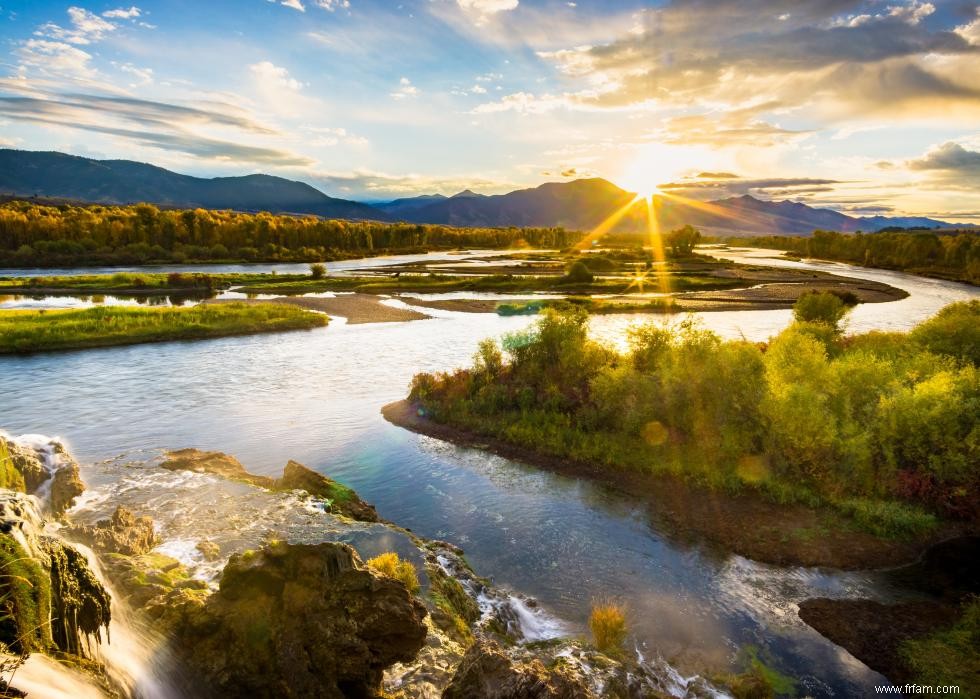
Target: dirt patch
[(872, 632), (744, 524), (356, 308)]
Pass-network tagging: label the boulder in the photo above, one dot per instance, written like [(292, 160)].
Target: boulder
[(123, 533), (342, 499), (215, 463), (41, 467), (487, 672), (298, 620)]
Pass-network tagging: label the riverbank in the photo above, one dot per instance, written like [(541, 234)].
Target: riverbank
[(746, 524), (40, 331), (356, 308)]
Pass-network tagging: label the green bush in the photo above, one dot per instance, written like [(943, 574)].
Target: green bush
[(820, 307)]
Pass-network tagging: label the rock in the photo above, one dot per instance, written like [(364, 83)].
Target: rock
[(41, 468), (297, 620), (215, 463), (52, 599), (295, 476), (210, 550), (123, 533), (487, 672), (343, 500)]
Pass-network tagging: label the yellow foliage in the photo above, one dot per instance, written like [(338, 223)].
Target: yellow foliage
[(391, 565), (607, 622)]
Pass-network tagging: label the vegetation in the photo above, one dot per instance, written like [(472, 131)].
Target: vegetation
[(949, 657), (954, 255), (318, 271), (391, 565), (592, 305), (34, 331), (37, 235), (607, 622), (880, 426)]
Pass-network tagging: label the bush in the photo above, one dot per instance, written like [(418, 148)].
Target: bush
[(391, 565), (318, 270), (954, 331), (607, 622), (578, 273), (820, 307)]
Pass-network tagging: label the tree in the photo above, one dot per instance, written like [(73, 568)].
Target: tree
[(820, 307), (318, 270), (683, 240), (579, 273)]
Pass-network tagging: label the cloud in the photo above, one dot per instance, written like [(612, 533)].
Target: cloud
[(405, 89), (331, 5), (293, 5), (272, 77), (951, 158), (54, 57), (132, 13), (487, 7), (86, 28), (711, 185), (378, 186)]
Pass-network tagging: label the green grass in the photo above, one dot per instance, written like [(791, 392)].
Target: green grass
[(592, 305), (949, 657), (142, 282), (36, 331), (887, 518)]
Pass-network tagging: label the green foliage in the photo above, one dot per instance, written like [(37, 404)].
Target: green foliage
[(318, 270), (949, 255), (954, 331), (578, 273), (391, 565), (683, 240), (34, 331), (25, 599), (876, 426), (31, 234), (10, 477), (820, 307), (949, 657)]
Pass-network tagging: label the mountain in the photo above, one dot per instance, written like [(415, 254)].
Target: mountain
[(398, 207), (584, 204), (50, 174), (576, 205)]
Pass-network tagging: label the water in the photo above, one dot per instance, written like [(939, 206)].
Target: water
[(315, 397)]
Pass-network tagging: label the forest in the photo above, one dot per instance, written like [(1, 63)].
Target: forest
[(953, 255), (32, 234)]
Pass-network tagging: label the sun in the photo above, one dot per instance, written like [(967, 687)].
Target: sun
[(656, 164)]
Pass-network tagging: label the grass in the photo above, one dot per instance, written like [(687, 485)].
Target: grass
[(592, 305), (607, 622), (38, 331), (391, 565), (144, 283), (887, 518), (949, 657)]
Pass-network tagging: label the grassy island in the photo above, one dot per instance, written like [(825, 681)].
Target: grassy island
[(36, 331), (876, 433)]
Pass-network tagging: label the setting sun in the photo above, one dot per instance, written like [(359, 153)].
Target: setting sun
[(656, 164)]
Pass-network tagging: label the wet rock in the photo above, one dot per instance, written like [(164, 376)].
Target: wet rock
[(487, 672), (210, 550), (52, 599), (123, 533), (301, 621), (215, 463), (343, 500), (42, 468)]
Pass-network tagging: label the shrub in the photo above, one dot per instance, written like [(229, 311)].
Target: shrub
[(607, 622), (318, 270), (578, 273), (954, 331), (820, 307), (391, 565), (888, 519)]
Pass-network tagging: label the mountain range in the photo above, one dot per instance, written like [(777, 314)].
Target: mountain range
[(580, 204)]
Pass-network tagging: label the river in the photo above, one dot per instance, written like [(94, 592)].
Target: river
[(315, 397)]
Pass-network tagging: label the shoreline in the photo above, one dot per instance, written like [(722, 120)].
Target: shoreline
[(743, 524)]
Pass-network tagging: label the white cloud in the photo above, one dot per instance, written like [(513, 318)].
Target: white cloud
[(331, 5), (143, 76), (293, 5), (55, 57), (405, 89), (488, 7), (86, 28), (122, 13), (271, 77)]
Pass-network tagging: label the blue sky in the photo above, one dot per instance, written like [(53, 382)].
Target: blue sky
[(869, 107)]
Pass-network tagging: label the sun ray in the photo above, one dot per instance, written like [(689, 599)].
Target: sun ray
[(607, 225)]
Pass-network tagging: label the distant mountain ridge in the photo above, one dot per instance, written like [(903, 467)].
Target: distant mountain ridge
[(578, 205), (52, 174)]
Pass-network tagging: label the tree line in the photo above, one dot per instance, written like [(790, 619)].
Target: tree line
[(949, 255), (35, 234)]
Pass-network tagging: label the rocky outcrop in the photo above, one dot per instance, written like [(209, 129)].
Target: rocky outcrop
[(339, 498), (123, 533), (486, 672), (342, 499), (42, 467), (52, 599), (301, 621), (215, 463)]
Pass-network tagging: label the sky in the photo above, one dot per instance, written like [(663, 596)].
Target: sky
[(868, 107)]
